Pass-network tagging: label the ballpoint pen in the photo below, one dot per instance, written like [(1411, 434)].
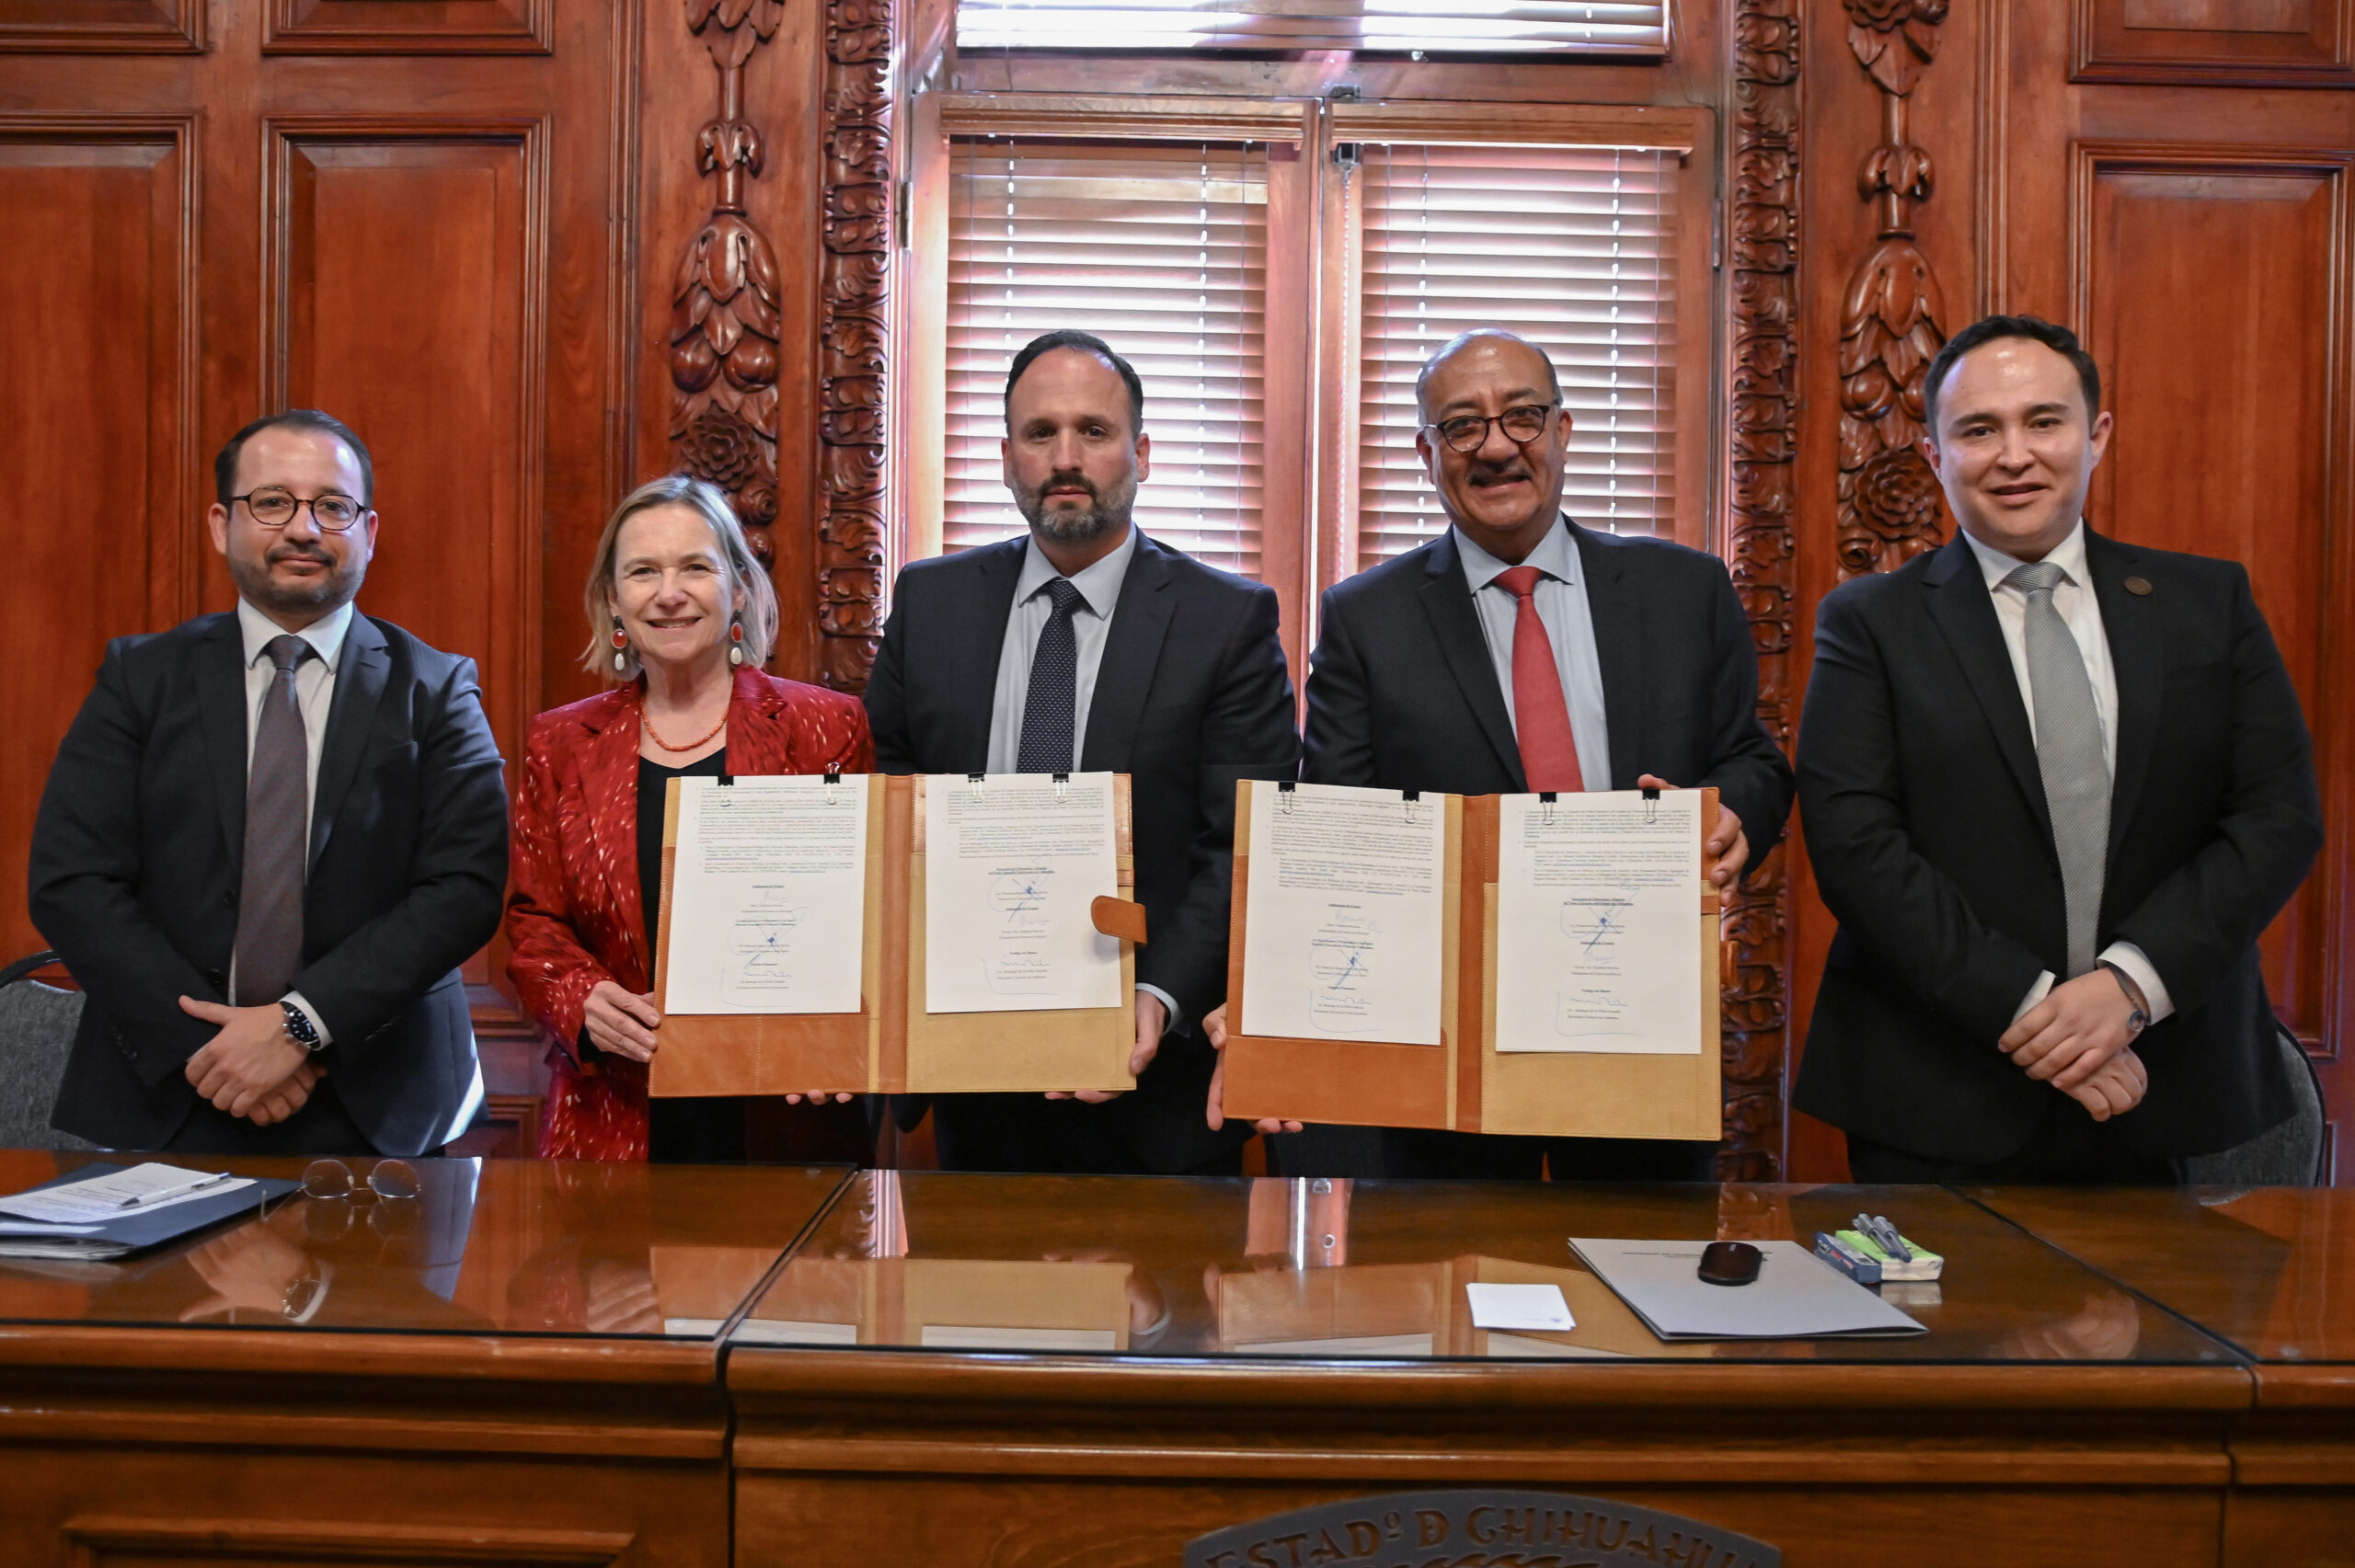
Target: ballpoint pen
[(144, 1200)]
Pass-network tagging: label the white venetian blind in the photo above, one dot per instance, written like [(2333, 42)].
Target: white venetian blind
[(1572, 248), (1162, 252), (1434, 27)]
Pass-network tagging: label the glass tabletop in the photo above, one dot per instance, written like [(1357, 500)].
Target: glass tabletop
[(488, 1246), (2269, 1270), (1319, 1269)]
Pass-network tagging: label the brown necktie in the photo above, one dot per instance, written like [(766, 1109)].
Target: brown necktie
[(269, 899), (1541, 714)]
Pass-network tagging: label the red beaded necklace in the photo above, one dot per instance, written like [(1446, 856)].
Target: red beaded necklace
[(691, 745)]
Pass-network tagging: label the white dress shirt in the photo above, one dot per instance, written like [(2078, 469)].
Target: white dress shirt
[(314, 696), (2081, 611), (1562, 610), (1091, 627)]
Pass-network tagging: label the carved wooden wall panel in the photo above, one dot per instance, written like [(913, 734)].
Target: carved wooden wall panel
[(408, 27), (2280, 43), (854, 338), (445, 381), (1894, 318), (97, 347), (1761, 545), (103, 27), (2213, 289)]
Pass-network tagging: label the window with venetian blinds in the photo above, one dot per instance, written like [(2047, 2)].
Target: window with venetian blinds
[(1466, 26), (1162, 252), (1571, 248)]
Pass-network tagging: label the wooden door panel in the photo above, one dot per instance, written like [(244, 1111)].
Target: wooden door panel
[(408, 274), (2287, 43), (2211, 282), (102, 26), (407, 27), (95, 346)]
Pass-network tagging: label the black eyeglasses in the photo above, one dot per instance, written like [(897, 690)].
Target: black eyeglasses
[(276, 508), (1469, 432)]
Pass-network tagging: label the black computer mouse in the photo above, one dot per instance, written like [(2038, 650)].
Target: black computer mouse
[(1729, 1263)]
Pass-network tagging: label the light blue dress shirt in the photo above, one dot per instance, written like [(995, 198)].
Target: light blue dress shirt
[(1569, 626)]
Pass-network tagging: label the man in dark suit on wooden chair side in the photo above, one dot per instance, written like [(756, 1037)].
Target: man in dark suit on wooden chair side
[(2054, 786), (268, 841)]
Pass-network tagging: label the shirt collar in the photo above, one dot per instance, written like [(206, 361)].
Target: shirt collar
[(2069, 555), (325, 634), (1557, 556), (1099, 585)]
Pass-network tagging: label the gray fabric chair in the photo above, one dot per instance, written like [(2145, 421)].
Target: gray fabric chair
[(36, 1024), (2289, 1155)]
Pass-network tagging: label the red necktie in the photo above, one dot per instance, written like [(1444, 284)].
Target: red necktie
[(1541, 717)]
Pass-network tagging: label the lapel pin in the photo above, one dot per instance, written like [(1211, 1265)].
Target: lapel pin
[(2139, 586)]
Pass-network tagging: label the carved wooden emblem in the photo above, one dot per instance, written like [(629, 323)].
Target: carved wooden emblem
[(1891, 509), (1466, 1529), (724, 315), (1764, 223)]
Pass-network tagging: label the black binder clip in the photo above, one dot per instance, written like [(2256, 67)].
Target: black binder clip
[(1063, 787), (1651, 804), (1545, 797), (973, 782), (726, 780), (833, 785), (1288, 790)]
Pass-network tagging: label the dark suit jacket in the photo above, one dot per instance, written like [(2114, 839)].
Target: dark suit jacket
[(1192, 695), (139, 848), (1402, 693), (1931, 842)]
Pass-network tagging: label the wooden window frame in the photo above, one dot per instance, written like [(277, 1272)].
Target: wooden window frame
[(1308, 502)]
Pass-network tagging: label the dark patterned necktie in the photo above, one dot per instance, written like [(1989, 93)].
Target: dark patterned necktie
[(269, 899), (1048, 712)]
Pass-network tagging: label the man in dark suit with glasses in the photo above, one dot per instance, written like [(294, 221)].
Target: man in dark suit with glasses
[(1517, 652), (267, 841)]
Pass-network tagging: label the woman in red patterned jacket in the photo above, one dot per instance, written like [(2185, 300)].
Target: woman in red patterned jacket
[(683, 617)]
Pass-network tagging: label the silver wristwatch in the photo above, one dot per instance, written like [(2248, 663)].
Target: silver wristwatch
[(299, 1029)]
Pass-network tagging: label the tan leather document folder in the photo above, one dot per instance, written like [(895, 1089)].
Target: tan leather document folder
[(1464, 1082), (892, 1045)]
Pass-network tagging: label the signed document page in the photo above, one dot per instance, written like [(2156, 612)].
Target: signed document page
[(1598, 900), (1013, 868), (768, 897), (1347, 897)]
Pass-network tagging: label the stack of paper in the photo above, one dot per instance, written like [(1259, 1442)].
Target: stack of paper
[(104, 1212)]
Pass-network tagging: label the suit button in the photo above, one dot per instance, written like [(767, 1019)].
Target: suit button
[(216, 976), (229, 900)]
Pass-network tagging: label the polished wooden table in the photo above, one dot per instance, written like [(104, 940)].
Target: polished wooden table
[(1019, 1370), (2272, 1272), (519, 1367), (560, 1366)]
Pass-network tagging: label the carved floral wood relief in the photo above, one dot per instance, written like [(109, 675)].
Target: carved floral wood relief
[(1765, 197), (725, 309), (1890, 318), (855, 339)]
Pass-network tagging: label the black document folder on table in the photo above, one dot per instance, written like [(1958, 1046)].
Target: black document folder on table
[(138, 1229)]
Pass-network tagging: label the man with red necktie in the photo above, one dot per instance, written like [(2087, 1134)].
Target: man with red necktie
[(1520, 652)]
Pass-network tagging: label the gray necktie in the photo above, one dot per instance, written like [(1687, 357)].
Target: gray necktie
[(269, 899), (2069, 755)]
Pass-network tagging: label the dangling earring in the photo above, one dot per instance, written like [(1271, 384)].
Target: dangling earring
[(621, 644), (735, 640)]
